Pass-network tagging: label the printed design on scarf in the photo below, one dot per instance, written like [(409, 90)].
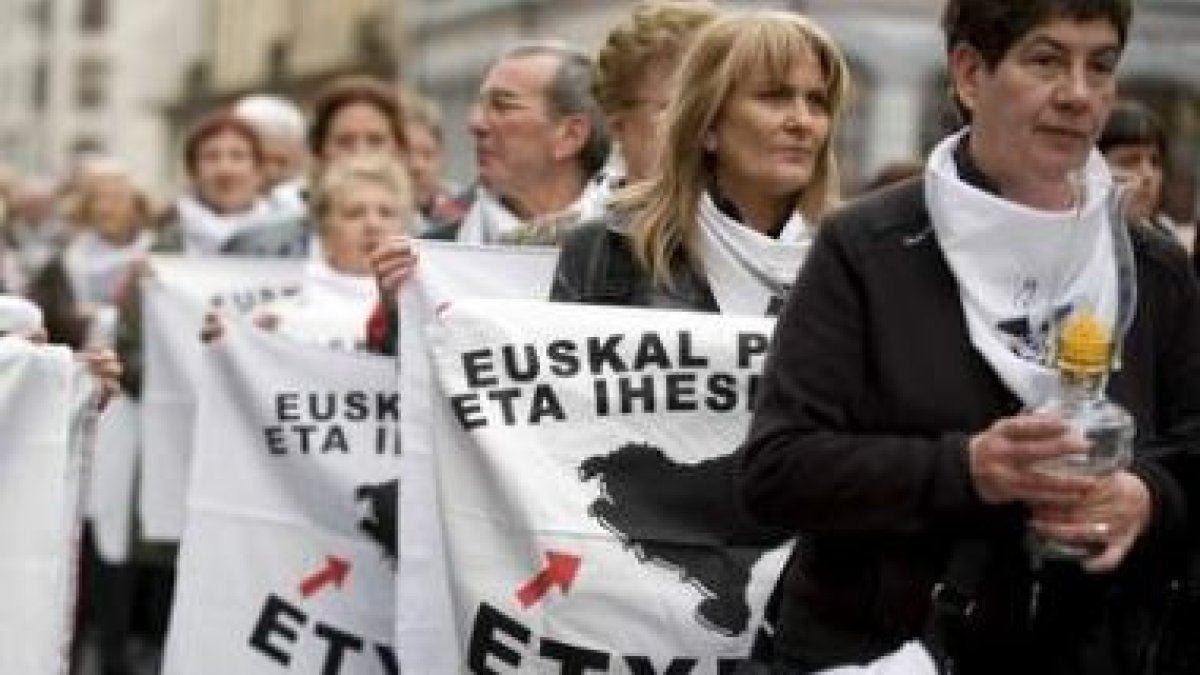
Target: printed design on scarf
[(1028, 338)]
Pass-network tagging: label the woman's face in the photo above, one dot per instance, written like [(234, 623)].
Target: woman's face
[(358, 128), (770, 132), (228, 176), (1140, 167), (636, 127), (112, 209), (360, 217)]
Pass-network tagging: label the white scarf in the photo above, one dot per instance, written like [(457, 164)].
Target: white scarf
[(205, 231), (97, 268), (1021, 270), (747, 271), (490, 222)]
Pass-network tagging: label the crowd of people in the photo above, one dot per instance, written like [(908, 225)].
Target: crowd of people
[(691, 164)]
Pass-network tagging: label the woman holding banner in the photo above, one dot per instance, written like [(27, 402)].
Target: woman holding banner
[(893, 431), (745, 166)]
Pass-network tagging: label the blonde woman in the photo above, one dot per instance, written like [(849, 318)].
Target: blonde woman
[(745, 167)]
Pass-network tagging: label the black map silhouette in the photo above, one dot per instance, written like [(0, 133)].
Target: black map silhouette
[(683, 517), (381, 521)]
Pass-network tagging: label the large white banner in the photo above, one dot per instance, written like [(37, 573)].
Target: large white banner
[(175, 298), (448, 271), (46, 399), (584, 466), (288, 557)]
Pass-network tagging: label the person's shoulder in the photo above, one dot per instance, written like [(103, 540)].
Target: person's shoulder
[(282, 237), (1157, 252), (896, 210)]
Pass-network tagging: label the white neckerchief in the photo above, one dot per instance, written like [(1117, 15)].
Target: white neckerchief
[(490, 222), (97, 268), (1020, 270), (748, 271), (205, 231)]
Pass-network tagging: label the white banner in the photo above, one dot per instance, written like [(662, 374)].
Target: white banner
[(425, 623), (287, 561), (174, 299), (46, 398)]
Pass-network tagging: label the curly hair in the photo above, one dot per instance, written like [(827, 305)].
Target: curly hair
[(656, 31)]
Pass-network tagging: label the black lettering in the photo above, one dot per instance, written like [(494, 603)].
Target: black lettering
[(382, 437), (387, 658), (387, 406), (335, 441), (545, 404), (651, 351), (305, 430), (514, 369), (484, 643), (564, 362), (722, 392), (356, 406), (270, 622), (276, 445), (600, 354), (287, 406), (630, 393), (686, 358), (752, 391), (574, 660), (641, 665), (750, 345), (601, 388), (477, 364), (267, 294), (314, 406), (466, 409), (681, 392), (506, 397), (339, 642)]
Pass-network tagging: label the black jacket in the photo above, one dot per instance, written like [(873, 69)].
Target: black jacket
[(858, 443)]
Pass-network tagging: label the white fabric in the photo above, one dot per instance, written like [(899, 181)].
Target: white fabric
[(287, 199), (18, 315), (293, 443), (490, 222), (448, 271), (205, 231), (332, 308), (97, 268), (746, 269), (174, 299), (1020, 269), (46, 409)]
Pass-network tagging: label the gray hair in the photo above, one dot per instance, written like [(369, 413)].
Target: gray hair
[(570, 93), (272, 116)]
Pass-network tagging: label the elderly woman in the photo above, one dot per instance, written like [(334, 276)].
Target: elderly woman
[(891, 431), (225, 163), (351, 116), (745, 166)]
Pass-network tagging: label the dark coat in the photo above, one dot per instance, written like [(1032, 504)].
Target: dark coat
[(859, 441)]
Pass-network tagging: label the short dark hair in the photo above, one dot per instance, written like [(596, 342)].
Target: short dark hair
[(212, 125), (1133, 123), (992, 27), (348, 91), (570, 93)]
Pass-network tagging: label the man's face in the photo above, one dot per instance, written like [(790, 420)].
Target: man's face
[(516, 136), (1040, 110), (283, 159)]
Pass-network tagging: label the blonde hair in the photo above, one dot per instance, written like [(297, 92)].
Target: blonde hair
[(656, 31), (379, 169), (664, 208)]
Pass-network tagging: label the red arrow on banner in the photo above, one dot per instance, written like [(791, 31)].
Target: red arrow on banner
[(560, 571), (335, 572)]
